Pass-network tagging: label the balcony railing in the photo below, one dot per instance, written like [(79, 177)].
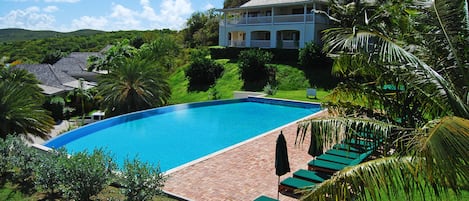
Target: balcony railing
[(275, 20), (237, 43), (260, 43)]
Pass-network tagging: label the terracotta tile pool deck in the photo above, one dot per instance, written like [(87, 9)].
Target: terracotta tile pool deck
[(241, 173)]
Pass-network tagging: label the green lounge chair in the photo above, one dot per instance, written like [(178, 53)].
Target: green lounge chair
[(335, 158), (342, 153), (331, 167), (348, 147), (312, 176), (264, 198), (290, 184)]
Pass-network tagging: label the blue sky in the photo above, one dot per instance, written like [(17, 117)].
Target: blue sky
[(107, 15)]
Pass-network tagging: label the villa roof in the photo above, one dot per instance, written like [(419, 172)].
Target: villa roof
[(47, 75), (75, 62)]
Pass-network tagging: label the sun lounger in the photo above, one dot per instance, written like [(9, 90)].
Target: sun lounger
[(334, 166), (264, 198), (351, 148), (312, 176), (342, 153), (335, 159), (289, 186)]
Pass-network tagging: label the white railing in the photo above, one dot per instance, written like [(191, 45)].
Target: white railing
[(260, 43), (237, 43), (268, 19), (289, 44)]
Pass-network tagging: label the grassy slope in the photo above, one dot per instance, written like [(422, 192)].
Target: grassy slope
[(292, 85), (225, 85)]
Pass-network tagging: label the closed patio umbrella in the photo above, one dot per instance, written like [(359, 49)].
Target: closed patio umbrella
[(282, 166), (315, 146)]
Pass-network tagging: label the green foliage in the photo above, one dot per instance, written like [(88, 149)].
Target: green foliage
[(253, 68), (290, 78), (28, 50), (141, 180), (52, 57), (84, 175), (310, 54), (17, 161), (134, 85), (270, 89), (202, 29), (203, 72), (20, 105), (162, 51), (48, 173)]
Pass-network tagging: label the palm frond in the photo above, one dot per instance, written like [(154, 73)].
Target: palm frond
[(334, 130), (444, 145), (396, 177)]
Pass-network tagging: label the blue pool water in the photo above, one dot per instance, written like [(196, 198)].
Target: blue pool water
[(174, 135)]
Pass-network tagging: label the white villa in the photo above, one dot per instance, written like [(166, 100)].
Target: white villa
[(287, 24)]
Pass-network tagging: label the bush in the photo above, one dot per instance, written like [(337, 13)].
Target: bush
[(270, 89), (253, 68), (203, 72), (253, 64), (49, 172), (310, 55), (85, 175), (141, 180), (17, 161)]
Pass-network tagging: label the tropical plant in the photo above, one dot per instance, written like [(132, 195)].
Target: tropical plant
[(81, 96), (135, 85), (84, 174), (202, 71), (254, 69), (202, 29), (141, 180), (407, 64), (20, 105)]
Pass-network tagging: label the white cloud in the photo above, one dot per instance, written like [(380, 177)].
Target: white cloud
[(124, 17), (62, 1), (29, 18), (50, 9), (87, 22), (208, 6), (174, 13)]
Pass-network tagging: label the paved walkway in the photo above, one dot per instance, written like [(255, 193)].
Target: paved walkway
[(242, 173)]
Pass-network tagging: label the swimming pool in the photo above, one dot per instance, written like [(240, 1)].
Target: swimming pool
[(174, 135)]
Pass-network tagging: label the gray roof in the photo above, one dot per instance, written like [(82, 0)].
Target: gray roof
[(47, 75), (75, 62)]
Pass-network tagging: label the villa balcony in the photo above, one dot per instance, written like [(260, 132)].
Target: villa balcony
[(279, 19)]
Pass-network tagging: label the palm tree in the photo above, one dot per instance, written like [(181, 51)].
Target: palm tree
[(81, 95), (20, 105), (135, 85), (420, 50)]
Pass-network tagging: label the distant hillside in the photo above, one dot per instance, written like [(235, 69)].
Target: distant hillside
[(11, 35)]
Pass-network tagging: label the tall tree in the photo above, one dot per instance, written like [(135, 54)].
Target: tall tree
[(20, 105), (408, 63), (202, 29), (135, 85)]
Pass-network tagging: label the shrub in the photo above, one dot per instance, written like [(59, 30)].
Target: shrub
[(310, 54), (141, 180), (270, 89), (253, 64), (202, 71), (17, 161), (85, 175), (49, 172)]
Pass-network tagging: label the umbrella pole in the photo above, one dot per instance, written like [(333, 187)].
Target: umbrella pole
[(278, 193)]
